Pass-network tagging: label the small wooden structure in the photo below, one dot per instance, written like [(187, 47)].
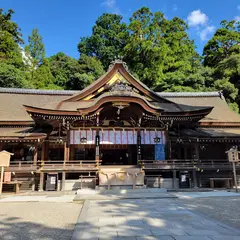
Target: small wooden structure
[(4, 162)]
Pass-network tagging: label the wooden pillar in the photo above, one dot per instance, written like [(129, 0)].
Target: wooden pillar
[(67, 144), (43, 151), (174, 179), (33, 183), (195, 178), (41, 181), (196, 159), (35, 154), (1, 179), (46, 150), (139, 145), (63, 181), (97, 145)]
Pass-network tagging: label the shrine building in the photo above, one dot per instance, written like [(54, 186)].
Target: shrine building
[(116, 133)]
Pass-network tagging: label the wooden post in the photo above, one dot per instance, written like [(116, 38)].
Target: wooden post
[(1, 179), (235, 177), (46, 150), (41, 181), (43, 151), (194, 178), (35, 154), (174, 178), (63, 181), (33, 183)]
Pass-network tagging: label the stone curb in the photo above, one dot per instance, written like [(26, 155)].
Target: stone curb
[(80, 225)]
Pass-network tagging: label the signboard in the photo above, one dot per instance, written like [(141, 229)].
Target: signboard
[(159, 152), (5, 158)]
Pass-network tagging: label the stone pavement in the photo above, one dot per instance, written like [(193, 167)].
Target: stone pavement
[(116, 194), (38, 220), (147, 219)]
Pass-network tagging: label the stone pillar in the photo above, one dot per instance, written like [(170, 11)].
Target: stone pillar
[(41, 182), (35, 154), (63, 181)]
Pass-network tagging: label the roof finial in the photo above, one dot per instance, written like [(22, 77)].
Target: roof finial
[(118, 59)]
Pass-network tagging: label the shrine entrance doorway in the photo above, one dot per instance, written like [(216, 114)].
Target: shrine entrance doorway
[(117, 154)]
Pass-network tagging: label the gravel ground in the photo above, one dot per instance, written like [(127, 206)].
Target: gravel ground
[(223, 209), (38, 220)]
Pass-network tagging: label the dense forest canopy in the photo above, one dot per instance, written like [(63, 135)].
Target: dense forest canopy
[(157, 50)]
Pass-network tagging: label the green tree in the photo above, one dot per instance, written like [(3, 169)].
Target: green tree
[(42, 78), (10, 39), (159, 50), (224, 43), (108, 38), (7, 25), (63, 68), (35, 48), (90, 68), (10, 76), (72, 74)]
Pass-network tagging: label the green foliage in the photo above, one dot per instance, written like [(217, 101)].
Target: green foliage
[(225, 42), (63, 68), (35, 49), (108, 38), (159, 49), (7, 25), (10, 52), (42, 78), (10, 76)]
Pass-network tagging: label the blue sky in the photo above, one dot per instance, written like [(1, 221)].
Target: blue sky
[(62, 22)]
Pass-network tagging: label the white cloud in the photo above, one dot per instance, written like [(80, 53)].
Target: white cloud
[(238, 7), (237, 18), (204, 34), (175, 8), (196, 18), (112, 5)]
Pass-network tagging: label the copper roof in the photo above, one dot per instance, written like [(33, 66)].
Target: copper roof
[(20, 133), (12, 101)]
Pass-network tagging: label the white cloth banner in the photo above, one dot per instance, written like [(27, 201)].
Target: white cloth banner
[(117, 137), (148, 137), (76, 136)]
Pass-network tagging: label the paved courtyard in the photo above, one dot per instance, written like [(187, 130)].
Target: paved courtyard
[(224, 209), (38, 220), (147, 219), (192, 216)]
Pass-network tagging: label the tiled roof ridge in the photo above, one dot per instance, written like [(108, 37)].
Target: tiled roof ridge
[(37, 91), (191, 94), (72, 92)]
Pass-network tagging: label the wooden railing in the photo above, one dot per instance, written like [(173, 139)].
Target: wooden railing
[(186, 164), (146, 164), (56, 164)]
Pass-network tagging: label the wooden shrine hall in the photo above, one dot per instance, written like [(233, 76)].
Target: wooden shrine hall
[(116, 133)]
